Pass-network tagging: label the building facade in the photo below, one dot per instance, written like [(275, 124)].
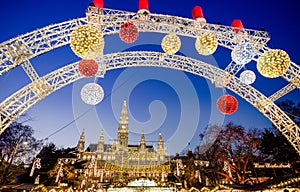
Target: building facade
[(121, 158)]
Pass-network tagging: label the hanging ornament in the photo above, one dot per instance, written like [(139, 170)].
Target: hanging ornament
[(248, 77), (128, 32), (87, 42), (88, 68), (227, 104), (206, 44), (171, 43), (273, 63), (243, 53), (92, 93)]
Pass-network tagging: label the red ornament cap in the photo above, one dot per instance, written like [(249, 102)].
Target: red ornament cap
[(99, 3), (88, 68), (227, 104), (238, 25), (143, 5), (198, 14)]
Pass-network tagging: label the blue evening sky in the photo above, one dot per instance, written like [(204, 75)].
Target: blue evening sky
[(177, 104)]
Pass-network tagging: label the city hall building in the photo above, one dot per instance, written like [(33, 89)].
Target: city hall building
[(111, 162)]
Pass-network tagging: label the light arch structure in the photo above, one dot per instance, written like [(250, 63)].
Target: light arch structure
[(20, 50)]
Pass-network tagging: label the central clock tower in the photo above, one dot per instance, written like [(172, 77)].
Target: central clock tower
[(122, 141)]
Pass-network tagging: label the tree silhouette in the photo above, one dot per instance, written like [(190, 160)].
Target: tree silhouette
[(18, 147), (231, 154)]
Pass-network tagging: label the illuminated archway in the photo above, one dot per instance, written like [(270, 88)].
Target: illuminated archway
[(19, 50)]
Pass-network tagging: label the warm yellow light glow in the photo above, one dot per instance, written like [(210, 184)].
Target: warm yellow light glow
[(171, 43), (87, 42), (206, 44), (273, 63)]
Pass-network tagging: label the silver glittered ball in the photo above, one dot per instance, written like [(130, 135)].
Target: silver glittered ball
[(248, 77), (243, 53), (92, 93)]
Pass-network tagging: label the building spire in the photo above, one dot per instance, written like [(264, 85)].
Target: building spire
[(161, 148), (124, 114), (100, 147), (80, 145), (123, 127), (160, 140), (101, 138), (143, 142), (82, 136)]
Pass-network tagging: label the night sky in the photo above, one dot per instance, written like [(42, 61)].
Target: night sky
[(177, 104)]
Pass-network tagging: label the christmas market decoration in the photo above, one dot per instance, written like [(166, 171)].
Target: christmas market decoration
[(99, 3), (92, 93), (227, 104), (273, 63), (198, 14), (237, 25), (206, 44), (87, 42), (39, 188), (171, 43), (128, 32), (248, 77), (243, 53), (143, 7), (88, 68)]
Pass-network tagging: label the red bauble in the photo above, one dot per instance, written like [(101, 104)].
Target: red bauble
[(227, 104), (128, 32), (88, 68)]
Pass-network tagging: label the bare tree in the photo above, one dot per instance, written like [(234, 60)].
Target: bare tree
[(18, 147), (232, 153)]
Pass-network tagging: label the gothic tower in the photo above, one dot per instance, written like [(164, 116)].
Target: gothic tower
[(122, 141), (80, 145), (143, 143), (161, 148), (100, 146)]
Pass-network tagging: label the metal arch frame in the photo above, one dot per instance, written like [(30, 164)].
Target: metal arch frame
[(19, 50), (16, 51), (22, 100)]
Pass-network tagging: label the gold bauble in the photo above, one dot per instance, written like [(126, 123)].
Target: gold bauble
[(273, 63), (206, 44), (171, 43), (87, 42)]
